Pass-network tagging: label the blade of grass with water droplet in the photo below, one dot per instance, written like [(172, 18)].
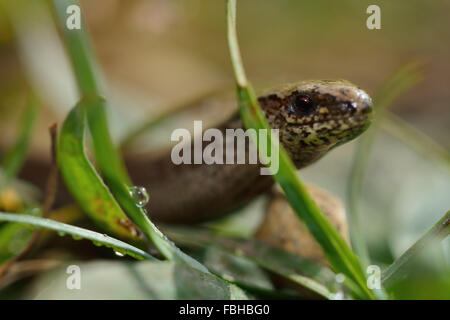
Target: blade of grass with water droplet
[(78, 233), (83, 181), (117, 179), (108, 158)]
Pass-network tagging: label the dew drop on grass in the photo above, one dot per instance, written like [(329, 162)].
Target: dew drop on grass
[(139, 195), (61, 233), (339, 294), (119, 254), (340, 278), (97, 243)]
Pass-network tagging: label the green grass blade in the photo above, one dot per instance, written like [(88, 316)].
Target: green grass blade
[(14, 238), (397, 269), (401, 80), (304, 272), (108, 158), (87, 74), (77, 233), (15, 157), (415, 139), (83, 181), (340, 256)]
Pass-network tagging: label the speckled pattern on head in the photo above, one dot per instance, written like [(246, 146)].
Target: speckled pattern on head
[(315, 116)]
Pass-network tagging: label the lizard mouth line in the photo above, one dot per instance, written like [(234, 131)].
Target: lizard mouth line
[(351, 121)]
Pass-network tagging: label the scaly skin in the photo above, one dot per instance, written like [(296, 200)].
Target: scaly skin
[(312, 117)]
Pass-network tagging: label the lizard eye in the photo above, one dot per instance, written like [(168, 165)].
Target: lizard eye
[(302, 105)]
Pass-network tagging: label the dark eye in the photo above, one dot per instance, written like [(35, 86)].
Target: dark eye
[(302, 105)]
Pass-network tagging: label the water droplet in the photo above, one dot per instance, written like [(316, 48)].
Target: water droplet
[(139, 195), (119, 254), (340, 278), (61, 233), (337, 296)]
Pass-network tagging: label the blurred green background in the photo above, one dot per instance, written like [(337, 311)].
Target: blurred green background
[(155, 54)]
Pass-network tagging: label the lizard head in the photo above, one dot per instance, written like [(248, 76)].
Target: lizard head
[(316, 116)]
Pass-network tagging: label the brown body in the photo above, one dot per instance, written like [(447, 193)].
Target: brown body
[(189, 193)]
